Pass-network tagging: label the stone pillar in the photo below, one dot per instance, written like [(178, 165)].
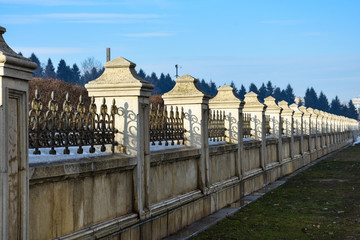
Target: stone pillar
[(257, 110), (298, 125), (314, 136), (225, 100), (15, 72), (274, 111), (131, 93), (306, 128), (332, 129), (319, 129), (288, 116), (187, 95), (326, 128)]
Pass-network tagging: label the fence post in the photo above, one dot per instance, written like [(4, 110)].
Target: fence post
[(306, 128), (187, 95), (288, 115), (225, 100), (298, 125), (318, 129), (15, 72), (275, 122), (332, 129), (325, 128), (121, 83), (313, 133), (257, 111)]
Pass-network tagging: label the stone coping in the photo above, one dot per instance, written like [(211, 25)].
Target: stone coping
[(271, 141), (48, 171), (252, 144)]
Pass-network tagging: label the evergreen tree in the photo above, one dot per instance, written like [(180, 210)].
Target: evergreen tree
[(352, 113), (76, 75), (169, 82), (208, 88), (203, 86), (232, 84), (142, 74), (253, 88), (153, 79), (277, 94), (39, 70), (262, 93), (164, 85), (301, 103), (289, 94), (90, 75), (282, 96), (50, 70), (63, 71), (323, 103), (242, 92), (335, 107), (269, 89), (311, 99), (213, 89)]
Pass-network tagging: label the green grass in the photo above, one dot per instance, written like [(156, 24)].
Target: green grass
[(322, 202)]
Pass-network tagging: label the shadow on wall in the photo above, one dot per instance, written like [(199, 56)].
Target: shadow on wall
[(194, 131), (130, 125)]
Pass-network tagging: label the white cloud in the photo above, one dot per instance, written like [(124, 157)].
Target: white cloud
[(149, 34), (47, 50)]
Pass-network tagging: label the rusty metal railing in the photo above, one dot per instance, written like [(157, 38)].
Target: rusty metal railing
[(246, 125), (73, 126), (165, 127), (216, 125), (267, 125), (282, 126)]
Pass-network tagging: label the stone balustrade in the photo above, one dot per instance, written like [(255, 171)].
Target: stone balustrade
[(136, 193)]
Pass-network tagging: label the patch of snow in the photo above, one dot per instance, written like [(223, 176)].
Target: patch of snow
[(247, 139), (157, 147), (211, 143), (45, 157), (357, 141)]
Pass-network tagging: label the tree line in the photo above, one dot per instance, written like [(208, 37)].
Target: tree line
[(335, 107), (92, 69)]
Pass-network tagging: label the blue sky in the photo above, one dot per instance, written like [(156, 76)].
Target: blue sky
[(304, 43)]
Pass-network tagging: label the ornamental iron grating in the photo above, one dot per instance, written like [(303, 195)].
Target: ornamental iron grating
[(267, 125), (166, 128), (282, 126), (71, 127), (246, 125), (216, 125)]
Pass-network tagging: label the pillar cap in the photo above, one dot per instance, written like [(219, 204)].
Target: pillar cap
[(286, 109), (252, 103), (297, 112), (305, 111), (271, 105), (11, 59), (119, 76), (186, 91), (226, 98)]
